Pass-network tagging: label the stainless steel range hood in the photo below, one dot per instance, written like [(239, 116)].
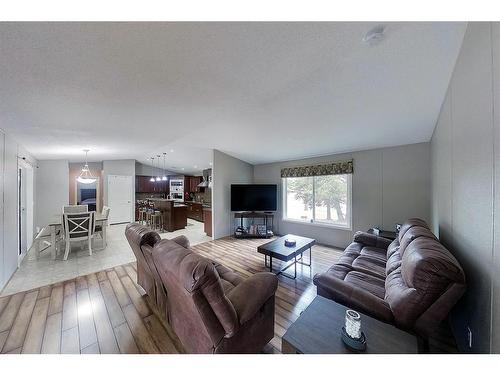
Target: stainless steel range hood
[(207, 179)]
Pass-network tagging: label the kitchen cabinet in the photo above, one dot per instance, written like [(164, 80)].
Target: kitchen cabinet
[(144, 185), (194, 211), (191, 184), (207, 221)]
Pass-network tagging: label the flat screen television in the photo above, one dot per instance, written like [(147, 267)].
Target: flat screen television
[(254, 197)]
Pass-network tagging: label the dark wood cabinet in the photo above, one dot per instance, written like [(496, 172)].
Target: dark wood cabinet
[(194, 211), (144, 185), (191, 184), (207, 221)]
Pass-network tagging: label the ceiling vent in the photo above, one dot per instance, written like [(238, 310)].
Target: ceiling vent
[(375, 35)]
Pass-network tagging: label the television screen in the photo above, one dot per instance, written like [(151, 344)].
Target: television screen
[(253, 197)]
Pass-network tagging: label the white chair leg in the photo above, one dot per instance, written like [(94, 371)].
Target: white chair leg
[(90, 245), (66, 253)]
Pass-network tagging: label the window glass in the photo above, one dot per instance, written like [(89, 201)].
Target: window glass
[(322, 199)]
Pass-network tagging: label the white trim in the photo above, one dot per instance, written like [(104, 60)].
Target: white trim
[(317, 224)]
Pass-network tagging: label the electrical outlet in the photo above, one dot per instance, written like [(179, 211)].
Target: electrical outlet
[(469, 337)]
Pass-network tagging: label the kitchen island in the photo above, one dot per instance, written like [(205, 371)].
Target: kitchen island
[(174, 213)]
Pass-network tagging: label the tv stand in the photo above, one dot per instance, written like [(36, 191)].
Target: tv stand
[(254, 230)]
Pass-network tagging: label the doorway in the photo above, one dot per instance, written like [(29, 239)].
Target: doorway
[(24, 208), (120, 191)]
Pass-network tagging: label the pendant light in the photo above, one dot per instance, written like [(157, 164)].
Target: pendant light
[(152, 179), (85, 175), (158, 178), (164, 178)]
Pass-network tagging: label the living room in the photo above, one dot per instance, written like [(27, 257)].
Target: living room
[(275, 188)]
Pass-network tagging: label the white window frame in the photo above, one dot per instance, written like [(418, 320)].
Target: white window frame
[(313, 222)]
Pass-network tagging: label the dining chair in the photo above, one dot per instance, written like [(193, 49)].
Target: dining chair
[(78, 227), (99, 228), (43, 240), (75, 209)]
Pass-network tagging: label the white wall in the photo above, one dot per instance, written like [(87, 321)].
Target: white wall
[(389, 185), (9, 250), (226, 170), (145, 170), (465, 183), (51, 190), (120, 168)]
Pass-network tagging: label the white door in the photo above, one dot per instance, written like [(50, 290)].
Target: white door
[(120, 191)]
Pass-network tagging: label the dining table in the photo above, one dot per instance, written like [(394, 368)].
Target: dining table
[(56, 224)]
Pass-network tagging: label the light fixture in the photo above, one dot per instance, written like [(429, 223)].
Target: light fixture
[(158, 178), (85, 175), (164, 178), (152, 179)]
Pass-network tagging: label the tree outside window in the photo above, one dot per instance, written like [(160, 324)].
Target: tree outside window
[(321, 198)]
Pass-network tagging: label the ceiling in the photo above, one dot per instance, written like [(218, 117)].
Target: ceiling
[(261, 92)]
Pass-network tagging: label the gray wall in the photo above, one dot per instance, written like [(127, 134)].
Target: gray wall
[(9, 152), (464, 176), (389, 185), (226, 170), (145, 170), (119, 168), (51, 190)]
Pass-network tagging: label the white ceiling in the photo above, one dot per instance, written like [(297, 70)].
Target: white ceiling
[(262, 92)]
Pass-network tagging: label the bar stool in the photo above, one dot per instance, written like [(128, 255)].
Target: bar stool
[(157, 220), (142, 216), (149, 213)]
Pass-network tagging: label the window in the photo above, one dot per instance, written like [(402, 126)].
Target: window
[(320, 199)]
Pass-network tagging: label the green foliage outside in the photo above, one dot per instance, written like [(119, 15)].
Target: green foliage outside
[(330, 191)]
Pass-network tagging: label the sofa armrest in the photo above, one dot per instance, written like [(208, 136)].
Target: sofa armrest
[(181, 240), (373, 240), (251, 294), (330, 286)]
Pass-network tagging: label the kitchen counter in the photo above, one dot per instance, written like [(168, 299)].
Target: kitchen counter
[(205, 205), (174, 213)]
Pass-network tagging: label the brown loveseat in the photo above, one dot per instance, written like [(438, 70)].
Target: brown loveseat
[(209, 307), (411, 282)]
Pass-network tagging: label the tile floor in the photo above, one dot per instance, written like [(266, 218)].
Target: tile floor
[(34, 273)]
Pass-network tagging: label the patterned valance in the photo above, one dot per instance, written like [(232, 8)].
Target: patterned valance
[(341, 167)]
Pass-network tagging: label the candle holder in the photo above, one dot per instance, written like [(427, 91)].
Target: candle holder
[(352, 336)]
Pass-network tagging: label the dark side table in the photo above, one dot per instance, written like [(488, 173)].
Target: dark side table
[(318, 331), (384, 233)]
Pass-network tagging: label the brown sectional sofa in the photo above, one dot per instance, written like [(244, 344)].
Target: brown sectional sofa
[(210, 308), (412, 282)]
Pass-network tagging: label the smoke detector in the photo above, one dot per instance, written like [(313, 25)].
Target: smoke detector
[(375, 35)]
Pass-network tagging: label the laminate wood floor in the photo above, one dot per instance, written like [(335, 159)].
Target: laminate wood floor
[(106, 311)]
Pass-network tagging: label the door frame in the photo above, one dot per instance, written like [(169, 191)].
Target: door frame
[(131, 202), (25, 179)]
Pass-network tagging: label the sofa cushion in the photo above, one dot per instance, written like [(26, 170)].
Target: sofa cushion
[(370, 266), (410, 223), (413, 233), (372, 284), (393, 263), (374, 252), (393, 247)]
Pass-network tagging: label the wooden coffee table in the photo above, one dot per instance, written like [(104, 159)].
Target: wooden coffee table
[(318, 331), (277, 249)]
